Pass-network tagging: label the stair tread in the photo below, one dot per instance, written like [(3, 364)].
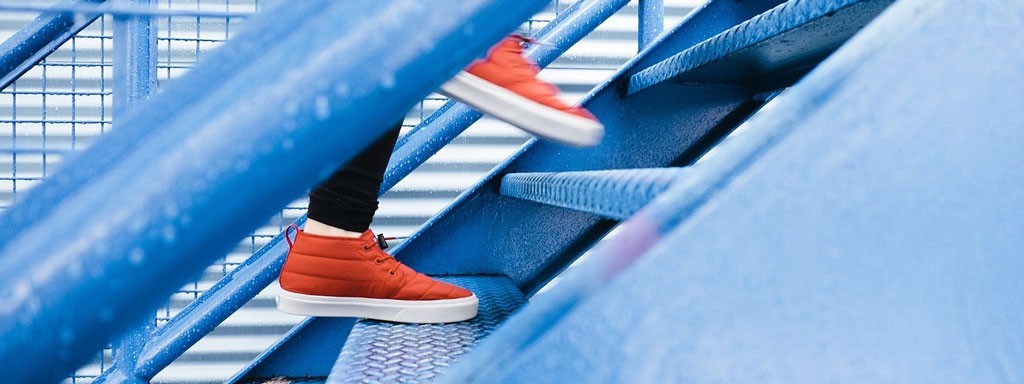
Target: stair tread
[(784, 38), (391, 352), (615, 194)]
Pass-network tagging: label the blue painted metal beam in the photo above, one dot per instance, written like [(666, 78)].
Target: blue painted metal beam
[(135, 62), (35, 41), (182, 196), (842, 240), (615, 194), (651, 18), (790, 37)]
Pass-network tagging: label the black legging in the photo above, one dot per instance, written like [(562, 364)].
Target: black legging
[(348, 199)]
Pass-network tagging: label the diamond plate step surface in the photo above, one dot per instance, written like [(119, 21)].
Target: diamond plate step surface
[(383, 352)]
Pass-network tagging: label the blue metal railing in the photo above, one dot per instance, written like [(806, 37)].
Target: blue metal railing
[(579, 19), (134, 271)]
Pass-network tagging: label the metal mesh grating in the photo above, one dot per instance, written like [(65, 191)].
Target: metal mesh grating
[(383, 352)]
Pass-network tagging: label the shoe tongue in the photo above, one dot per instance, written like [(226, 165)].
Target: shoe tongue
[(368, 236)]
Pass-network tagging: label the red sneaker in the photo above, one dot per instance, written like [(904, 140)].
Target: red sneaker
[(505, 85), (345, 277)]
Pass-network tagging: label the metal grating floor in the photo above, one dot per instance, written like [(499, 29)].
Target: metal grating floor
[(383, 352)]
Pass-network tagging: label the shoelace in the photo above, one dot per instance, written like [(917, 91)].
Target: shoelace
[(380, 241)]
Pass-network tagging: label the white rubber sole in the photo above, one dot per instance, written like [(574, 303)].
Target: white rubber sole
[(400, 311), (522, 112)]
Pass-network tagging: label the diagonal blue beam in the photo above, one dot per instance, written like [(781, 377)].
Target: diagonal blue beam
[(615, 194), (39, 38), (181, 196), (789, 36)]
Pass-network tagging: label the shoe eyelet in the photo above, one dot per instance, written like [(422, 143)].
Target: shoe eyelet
[(378, 261), (392, 273), (366, 247)]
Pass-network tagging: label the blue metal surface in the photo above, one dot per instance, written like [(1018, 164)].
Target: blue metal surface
[(134, 80), (414, 353), (651, 17), (615, 194), (866, 233), (37, 39), (791, 36), (196, 174)]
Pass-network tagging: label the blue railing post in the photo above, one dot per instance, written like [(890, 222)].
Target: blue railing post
[(134, 62), (651, 19)]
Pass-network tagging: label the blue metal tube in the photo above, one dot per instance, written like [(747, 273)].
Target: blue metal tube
[(182, 196), (38, 39), (135, 62), (651, 17), (248, 279)]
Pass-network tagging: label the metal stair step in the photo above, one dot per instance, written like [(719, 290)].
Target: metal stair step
[(379, 351), (790, 37), (615, 194)]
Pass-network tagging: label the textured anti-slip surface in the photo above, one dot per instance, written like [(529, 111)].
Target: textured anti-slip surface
[(615, 194), (790, 16), (383, 352)]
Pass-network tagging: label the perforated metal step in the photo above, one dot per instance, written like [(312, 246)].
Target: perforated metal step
[(789, 37), (386, 352), (615, 194)]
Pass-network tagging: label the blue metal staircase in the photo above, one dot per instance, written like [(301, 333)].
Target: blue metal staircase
[(796, 200)]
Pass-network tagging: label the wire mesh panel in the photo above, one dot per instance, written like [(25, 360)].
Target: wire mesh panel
[(64, 104)]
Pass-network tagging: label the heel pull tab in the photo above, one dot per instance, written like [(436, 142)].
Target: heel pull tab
[(287, 231)]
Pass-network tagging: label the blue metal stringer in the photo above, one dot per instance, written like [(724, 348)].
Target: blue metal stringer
[(390, 352), (183, 195), (868, 231), (790, 37), (615, 194)]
